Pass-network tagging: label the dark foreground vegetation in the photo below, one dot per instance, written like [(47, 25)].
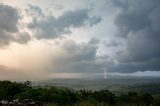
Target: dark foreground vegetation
[(53, 96)]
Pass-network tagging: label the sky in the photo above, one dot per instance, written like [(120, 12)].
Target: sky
[(45, 39)]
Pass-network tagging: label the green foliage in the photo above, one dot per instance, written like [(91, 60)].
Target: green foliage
[(9, 89), (104, 96), (29, 94), (147, 99), (65, 97)]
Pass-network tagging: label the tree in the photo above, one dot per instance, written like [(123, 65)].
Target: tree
[(104, 96), (147, 99)]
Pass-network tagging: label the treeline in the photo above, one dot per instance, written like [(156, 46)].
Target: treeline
[(63, 96)]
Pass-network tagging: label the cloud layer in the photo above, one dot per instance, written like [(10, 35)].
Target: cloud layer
[(51, 27), (138, 24), (122, 35)]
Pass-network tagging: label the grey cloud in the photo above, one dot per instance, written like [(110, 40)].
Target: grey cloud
[(135, 16), (23, 37), (82, 52), (95, 20), (8, 23), (34, 10), (138, 23), (9, 18), (52, 27), (112, 43), (151, 65), (94, 41), (5, 38), (143, 46), (79, 58)]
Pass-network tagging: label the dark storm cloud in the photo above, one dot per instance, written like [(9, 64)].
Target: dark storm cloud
[(52, 27), (9, 17), (78, 57), (136, 15), (151, 65), (138, 23)]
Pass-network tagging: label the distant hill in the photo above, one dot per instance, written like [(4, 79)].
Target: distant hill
[(115, 84)]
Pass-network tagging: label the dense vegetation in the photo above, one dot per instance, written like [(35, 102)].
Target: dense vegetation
[(63, 96)]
